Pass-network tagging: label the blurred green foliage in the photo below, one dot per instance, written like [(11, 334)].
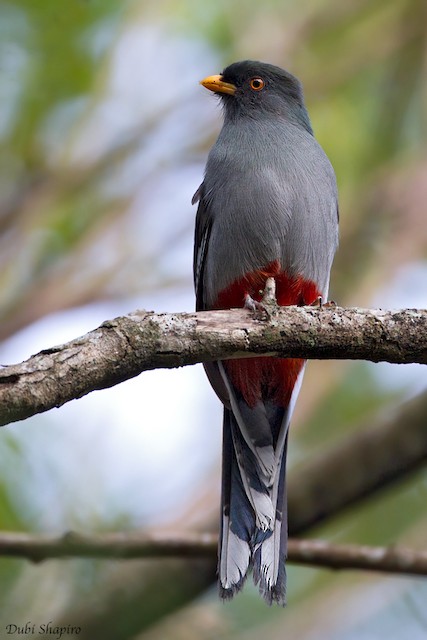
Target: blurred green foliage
[(67, 158)]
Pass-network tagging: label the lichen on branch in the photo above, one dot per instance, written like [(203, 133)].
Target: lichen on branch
[(123, 348)]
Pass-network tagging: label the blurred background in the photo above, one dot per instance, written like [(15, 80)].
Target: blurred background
[(104, 134)]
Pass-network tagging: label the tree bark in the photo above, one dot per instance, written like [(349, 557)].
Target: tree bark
[(125, 347)]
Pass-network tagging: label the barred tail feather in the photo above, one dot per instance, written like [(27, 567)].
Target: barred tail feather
[(253, 525), (269, 568), (237, 520)]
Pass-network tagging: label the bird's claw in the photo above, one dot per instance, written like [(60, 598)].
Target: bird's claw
[(257, 308), (267, 307)]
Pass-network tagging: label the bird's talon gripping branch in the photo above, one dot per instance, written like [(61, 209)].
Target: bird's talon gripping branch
[(257, 308), (267, 307)]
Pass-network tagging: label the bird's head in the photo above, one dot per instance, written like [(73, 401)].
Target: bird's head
[(256, 88)]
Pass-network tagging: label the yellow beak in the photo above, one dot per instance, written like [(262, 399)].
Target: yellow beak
[(216, 83)]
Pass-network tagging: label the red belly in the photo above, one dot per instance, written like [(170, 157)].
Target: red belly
[(266, 378)]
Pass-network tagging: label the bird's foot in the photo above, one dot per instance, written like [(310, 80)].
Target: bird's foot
[(330, 304), (268, 306), (256, 307)]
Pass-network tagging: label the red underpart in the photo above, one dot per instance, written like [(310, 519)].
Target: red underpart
[(266, 378)]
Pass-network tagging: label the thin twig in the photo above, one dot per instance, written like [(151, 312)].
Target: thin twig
[(316, 553)]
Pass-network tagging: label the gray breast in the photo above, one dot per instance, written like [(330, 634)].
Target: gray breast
[(271, 193)]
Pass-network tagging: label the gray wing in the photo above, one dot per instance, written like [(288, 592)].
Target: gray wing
[(201, 242)]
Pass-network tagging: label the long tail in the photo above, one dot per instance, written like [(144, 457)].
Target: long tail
[(254, 518)]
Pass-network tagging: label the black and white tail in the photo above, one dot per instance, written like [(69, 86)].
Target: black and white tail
[(254, 517)]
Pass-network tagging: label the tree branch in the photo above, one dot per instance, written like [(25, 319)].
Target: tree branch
[(123, 348), (398, 560), (366, 461), (204, 545)]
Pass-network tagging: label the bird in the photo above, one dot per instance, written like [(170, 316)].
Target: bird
[(267, 208)]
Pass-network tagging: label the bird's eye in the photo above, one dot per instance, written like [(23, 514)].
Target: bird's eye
[(257, 84)]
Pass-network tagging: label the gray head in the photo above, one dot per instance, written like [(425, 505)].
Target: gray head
[(255, 89)]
